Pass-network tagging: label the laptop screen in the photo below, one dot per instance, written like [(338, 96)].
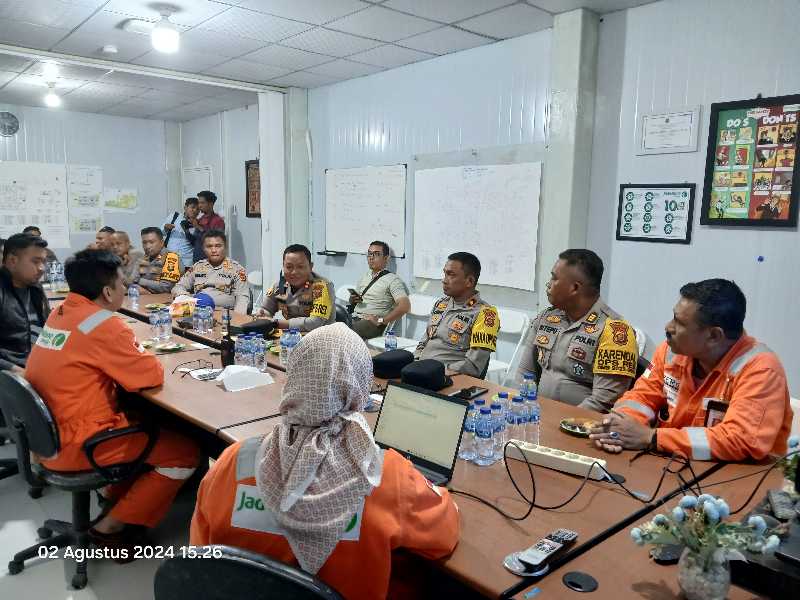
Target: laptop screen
[(421, 423)]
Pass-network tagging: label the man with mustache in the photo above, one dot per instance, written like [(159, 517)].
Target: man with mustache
[(712, 391)]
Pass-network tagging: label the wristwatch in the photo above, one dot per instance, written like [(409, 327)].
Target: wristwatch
[(380, 320)]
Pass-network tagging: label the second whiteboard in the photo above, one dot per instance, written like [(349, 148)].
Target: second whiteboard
[(491, 211)]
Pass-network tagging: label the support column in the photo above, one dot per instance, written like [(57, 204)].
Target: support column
[(271, 143), (172, 144), (298, 150), (564, 206)]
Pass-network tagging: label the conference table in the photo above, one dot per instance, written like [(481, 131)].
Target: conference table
[(601, 513)]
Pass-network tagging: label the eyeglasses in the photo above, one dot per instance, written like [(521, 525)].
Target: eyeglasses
[(374, 254), (201, 364)]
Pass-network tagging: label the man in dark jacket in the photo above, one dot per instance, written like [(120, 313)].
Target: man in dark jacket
[(23, 305)]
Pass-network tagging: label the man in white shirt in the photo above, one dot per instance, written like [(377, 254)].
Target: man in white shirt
[(381, 296)]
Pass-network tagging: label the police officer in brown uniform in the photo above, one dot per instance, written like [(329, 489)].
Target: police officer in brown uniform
[(160, 269), (462, 329), (223, 279), (305, 299), (582, 352)]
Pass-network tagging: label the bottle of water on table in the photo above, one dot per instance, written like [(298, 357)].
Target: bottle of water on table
[(499, 420), (515, 421), (164, 325), (390, 340), (155, 325), (484, 438), (289, 340), (225, 321), (237, 351), (527, 383), (466, 451), (133, 295), (534, 416), (197, 319), (259, 353)]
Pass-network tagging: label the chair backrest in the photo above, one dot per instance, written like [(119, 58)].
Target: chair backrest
[(255, 278), (342, 316), (26, 412), (641, 340), (343, 294), (421, 304), (795, 404), (513, 321), (235, 573)]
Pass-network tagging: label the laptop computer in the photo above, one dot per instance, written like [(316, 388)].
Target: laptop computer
[(423, 426)]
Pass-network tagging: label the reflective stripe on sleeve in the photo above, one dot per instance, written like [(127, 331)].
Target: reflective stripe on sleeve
[(698, 439), (177, 473), (91, 322), (743, 359), (638, 407)]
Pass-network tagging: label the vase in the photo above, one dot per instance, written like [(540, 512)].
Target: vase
[(697, 583)]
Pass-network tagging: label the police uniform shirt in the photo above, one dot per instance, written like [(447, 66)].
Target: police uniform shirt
[(382, 296), (154, 276), (131, 268), (226, 284), (306, 308), (589, 362), (461, 335)]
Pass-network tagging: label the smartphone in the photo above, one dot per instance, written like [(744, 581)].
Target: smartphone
[(471, 392)]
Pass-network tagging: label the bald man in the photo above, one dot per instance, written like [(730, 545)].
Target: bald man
[(121, 246)]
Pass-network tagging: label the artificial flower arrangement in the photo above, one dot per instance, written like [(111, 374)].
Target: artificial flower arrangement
[(697, 523)]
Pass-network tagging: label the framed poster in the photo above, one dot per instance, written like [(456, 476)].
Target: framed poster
[(668, 131), (751, 163), (656, 212), (252, 176)]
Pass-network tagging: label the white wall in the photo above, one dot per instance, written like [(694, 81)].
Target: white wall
[(686, 52), (130, 151), (224, 142), (490, 96)]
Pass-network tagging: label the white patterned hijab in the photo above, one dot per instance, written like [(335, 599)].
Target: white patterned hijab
[(316, 467)]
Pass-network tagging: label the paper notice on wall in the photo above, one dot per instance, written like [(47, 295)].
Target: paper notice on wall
[(85, 191), (121, 199)]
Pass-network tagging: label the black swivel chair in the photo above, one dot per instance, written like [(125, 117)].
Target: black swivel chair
[(8, 466), (33, 429), (342, 316), (236, 573)]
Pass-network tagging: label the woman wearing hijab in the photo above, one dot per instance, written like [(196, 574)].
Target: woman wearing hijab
[(317, 491)]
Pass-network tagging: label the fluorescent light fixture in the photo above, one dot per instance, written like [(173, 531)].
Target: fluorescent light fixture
[(50, 71), (165, 37), (52, 99)]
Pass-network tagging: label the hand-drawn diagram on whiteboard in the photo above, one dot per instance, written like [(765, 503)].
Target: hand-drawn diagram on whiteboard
[(34, 194), (365, 204), (85, 189), (491, 211)]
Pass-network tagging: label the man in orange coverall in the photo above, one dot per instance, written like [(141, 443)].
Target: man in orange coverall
[(711, 393), (317, 491), (82, 355)]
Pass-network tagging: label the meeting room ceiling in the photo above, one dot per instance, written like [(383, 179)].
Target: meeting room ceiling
[(303, 43)]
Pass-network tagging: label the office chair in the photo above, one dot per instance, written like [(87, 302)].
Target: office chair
[(8, 466), (342, 316), (34, 430), (236, 573)]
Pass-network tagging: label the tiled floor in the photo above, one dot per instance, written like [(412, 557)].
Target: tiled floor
[(20, 516)]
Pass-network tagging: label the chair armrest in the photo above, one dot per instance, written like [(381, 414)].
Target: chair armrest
[(120, 472)]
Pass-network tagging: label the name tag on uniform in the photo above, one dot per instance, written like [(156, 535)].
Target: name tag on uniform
[(671, 387), (250, 513)]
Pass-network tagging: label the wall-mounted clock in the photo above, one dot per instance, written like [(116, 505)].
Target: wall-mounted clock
[(9, 124)]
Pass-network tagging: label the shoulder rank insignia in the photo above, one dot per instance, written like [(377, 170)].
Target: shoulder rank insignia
[(592, 318), (590, 328), (553, 319), (471, 302), (242, 275), (441, 306)]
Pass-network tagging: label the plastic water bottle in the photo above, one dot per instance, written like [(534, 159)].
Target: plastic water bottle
[(165, 325), (484, 438), (208, 320), (197, 320), (259, 353), (237, 351), (466, 451), (499, 421), (525, 386), (516, 419), (501, 398), (479, 404), (390, 340), (289, 340), (534, 417), (225, 321), (155, 325), (133, 294)]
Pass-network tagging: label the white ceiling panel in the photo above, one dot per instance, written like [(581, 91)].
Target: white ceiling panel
[(37, 83), (344, 69), (309, 11), (223, 44), (189, 13), (182, 113), (383, 24), (187, 90), (102, 91), (129, 45), (13, 63), (188, 62), (160, 97), (29, 35), (254, 25), (288, 58), (598, 6), (70, 72), (445, 40), (5, 77), (128, 109), (332, 43), (390, 56), (245, 70), (512, 21), (303, 79), (446, 11), (52, 13)]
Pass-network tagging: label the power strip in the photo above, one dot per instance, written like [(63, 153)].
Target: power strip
[(553, 458)]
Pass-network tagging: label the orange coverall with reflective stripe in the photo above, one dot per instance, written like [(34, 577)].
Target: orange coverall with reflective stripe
[(749, 379), (404, 511), (83, 354)]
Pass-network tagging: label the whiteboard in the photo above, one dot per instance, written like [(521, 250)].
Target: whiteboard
[(491, 211), (363, 205), (34, 194), (198, 179)]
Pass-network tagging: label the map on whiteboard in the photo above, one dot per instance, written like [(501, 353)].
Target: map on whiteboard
[(491, 211), (85, 190), (34, 194)]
